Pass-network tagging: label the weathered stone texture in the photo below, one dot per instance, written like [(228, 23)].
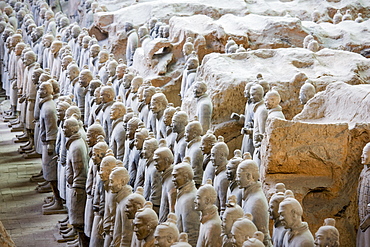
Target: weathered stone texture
[(5, 239), (318, 155)]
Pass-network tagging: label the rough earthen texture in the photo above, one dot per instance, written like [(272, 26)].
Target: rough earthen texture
[(347, 35), (5, 239), (329, 106), (319, 157), (226, 76)]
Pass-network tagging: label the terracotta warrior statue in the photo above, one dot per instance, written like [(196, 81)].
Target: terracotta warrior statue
[(298, 233), (232, 213), (260, 116), (183, 241), (242, 229), (107, 98), (152, 180), (193, 133), (255, 241), (137, 161), (48, 135), (118, 136), (118, 180), (327, 235), (76, 173), (132, 42), (167, 233), (204, 105), (307, 92), (163, 160), (254, 200), (106, 167), (95, 190), (158, 104), (207, 142), (187, 217), (219, 154), (179, 122), (145, 222), (363, 233), (272, 101), (278, 229), (210, 227), (231, 168)]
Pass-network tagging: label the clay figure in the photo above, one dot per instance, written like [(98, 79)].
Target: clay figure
[(163, 160), (242, 229), (232, 213), (187, 217), (254, 200), (298, 233), (208, 140), (210, 227), (204, 105), (327, 235), (166, 233), (193, 133)]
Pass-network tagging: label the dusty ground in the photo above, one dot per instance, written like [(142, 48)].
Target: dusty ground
[(20, 204)]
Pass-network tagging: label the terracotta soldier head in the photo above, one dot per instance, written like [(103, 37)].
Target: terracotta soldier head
[(148, 94), (136, 82), (121, 70), (193, 130), (93, 131), (45, 90), (107, 94), (94, 50), (140, 135), (183, 241), (29, 58), (200, 88), (145, 222), (242, 229), (179, 121), (182, 173), (272, 99), (158, 102), (73, 71), (306, 92), (71, 126), (107, 164), (247, 173), (134, 202), (85, 77), (99, 150), (219, 154), (255, 241), (208, 140), (118, 110), (206, 197), (327, 235), (168, 114), (275, 201), (232, 213), (163, 156), (94, 84), (62, 106), (365, 156), (290, 211), (132, 126), (56, 46), (103, 56), (118, 178), (149, 146), (167, 233), (256, 93), (233, 164)]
